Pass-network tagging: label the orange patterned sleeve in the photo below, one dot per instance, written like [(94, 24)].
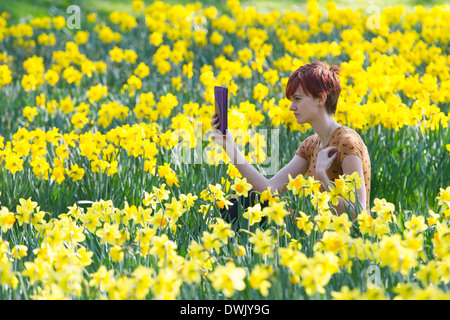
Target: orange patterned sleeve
[(303, 149), (350, 144)]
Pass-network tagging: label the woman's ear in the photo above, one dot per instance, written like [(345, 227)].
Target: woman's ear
[(323, 98)]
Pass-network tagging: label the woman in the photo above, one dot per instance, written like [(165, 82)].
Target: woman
[(333, 150)]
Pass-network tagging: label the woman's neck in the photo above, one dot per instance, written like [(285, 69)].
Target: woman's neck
[(324, 128)]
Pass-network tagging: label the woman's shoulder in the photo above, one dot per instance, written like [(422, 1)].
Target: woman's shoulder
[(307, 145), (349, 141), (311, 138), (345, 132)]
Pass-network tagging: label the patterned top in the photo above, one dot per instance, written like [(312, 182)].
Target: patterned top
[(348, 142)]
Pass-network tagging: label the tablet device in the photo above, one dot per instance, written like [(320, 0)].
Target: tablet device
[(221, 99)]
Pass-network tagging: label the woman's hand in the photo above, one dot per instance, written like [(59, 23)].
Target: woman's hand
[(226, 141), (325, 159)]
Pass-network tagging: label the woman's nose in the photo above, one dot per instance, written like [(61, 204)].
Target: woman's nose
[(292, 107)]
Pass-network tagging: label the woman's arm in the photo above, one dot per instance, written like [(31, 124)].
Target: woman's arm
[(278, 182), (296, 166), (350, 164)]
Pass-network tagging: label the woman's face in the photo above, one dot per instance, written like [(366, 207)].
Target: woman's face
[(304, 107)]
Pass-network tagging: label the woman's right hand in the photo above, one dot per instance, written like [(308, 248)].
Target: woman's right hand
[(226, 141)]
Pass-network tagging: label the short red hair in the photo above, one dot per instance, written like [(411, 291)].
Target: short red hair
[(316, 78)]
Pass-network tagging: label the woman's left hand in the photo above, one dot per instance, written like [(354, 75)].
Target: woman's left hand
[(325, 159)]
